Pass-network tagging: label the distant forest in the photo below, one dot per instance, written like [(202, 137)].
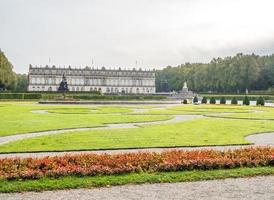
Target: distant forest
[(221, 75)]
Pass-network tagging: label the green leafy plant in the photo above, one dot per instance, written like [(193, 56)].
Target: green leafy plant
[(212, 100), (234, 101), (223, 100), (246, 101), (204, 100), (195, 99), (185, 101), (260, 101)]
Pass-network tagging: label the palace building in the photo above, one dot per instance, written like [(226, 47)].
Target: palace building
[(90, 79)]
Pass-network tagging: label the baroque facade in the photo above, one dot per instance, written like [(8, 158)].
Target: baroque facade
[(89, 79)]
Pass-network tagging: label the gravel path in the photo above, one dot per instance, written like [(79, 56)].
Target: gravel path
[(239, 188)]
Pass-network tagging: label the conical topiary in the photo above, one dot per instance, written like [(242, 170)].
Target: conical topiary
[(195, 99), (223, 100), (234, 101), (260, 101), (204, 100), (246, 101), (212, 100)]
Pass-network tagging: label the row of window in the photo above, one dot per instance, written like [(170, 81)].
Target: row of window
[(76, 72), (92, 81), (108, 90)]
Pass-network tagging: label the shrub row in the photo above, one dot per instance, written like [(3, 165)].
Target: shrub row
[(239, 97), (21, 96), (104, 164), (260, 101), (81, 96), (117, 97)]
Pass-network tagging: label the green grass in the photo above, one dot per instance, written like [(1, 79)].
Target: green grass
[(203, 109), (133, 178), (198, 132), (266, 114), (17, 118)]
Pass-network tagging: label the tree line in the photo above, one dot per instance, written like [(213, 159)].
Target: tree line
[(9, 80), (229, 74)]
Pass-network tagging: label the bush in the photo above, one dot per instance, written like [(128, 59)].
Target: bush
[(223, 100), (246, 101), (195, 99), (260, 101), (185, 101), (106, 164), (212, 100), (234, 101), (204, 100), (20, 96)]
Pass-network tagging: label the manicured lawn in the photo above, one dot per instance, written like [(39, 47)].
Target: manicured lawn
[(266, 114), (198, 132), (133, 178), (203, 109), (18, 117)]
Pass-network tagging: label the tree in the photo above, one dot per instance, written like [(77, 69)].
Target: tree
[(204, 100), (223, 100), (63, 87), (7, 76), (212, 100), (229, 74), (195, 99), (234, 101), (185, 101), (260, 101), (21, 82), (246, 101)]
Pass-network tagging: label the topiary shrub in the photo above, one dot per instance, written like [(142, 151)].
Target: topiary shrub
[(246, 101), (260, 101), (234, 101), (195, 100), (185, 101), (204, 100), (223, 100), (212, 100)]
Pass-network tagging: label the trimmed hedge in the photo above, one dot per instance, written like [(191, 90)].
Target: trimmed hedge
[(20, 96), (76, 96)]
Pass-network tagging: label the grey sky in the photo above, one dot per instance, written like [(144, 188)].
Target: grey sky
[(115, 33)]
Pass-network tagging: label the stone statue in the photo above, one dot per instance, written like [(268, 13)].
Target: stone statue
[(185, 89), (185, 85)]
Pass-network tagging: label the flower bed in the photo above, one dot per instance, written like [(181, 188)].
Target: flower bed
[(100, 164)]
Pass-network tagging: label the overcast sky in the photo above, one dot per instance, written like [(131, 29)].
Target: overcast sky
[(116, 33)]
